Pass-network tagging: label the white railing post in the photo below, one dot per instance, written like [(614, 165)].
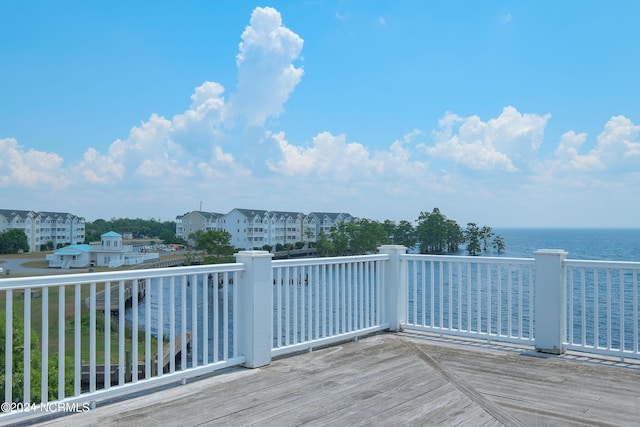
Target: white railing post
[(550, 301), (255, 308), (395, 285)]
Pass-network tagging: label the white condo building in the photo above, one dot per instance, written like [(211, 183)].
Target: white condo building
[(59, 228), (255, 228)]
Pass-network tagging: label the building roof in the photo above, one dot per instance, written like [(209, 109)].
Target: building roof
[(250, 213), (111, 234), (11, 213), (207, 215), (73, 250), (286, 213), (332, 215)]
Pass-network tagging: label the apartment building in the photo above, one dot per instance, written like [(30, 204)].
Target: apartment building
[(42, 228), (198, 220), (255, 228)]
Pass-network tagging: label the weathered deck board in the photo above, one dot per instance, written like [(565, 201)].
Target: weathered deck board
[(393, 379)]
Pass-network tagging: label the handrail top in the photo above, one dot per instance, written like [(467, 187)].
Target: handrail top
[(472, 259), (600, 263), (328, 260), (115, 276)]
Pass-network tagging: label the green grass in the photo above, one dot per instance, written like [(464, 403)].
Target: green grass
[(69, 325), (38, 260), (36, 264)]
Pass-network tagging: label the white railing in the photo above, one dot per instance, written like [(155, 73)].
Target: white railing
[(98, 335), (603, 307), (479, 297), (323, 300)]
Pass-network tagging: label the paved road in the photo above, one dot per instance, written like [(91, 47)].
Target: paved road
[(14, 265)]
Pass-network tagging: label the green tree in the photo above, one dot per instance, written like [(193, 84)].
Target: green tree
[(405, 234), (359, 237), (437, 234), (498, 243), (13, 241), (324, 246), (17, 370), (472, 237), (214, 242), (486, 233), (150, 228), (168, 237), (454, 236), (339, 235), (369, 235), (47, 246), (390, 228), (431, 231), (308, 234)]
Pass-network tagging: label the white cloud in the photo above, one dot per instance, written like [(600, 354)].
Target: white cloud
[(191, 143), (333, 157), (97, 169), (328, 156), (619, 144), (568, 157), (505, 143), (617, 150), (266, 73), (149, 152), (467, 145), (29, 169), (207, 106)]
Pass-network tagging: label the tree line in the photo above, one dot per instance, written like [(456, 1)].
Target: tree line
[(433, 234), (140, 228)]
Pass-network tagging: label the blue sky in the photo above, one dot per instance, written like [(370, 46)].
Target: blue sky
[(502, 113)]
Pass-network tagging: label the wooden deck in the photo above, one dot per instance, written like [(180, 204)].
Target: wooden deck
[(394, 379)]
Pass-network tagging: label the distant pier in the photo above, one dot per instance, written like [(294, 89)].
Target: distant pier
[(114, 300), (295, 253), (113, 375)]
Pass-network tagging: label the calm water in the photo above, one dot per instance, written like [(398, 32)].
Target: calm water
[(614, 244)]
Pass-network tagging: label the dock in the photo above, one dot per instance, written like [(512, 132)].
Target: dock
[(113, 375), (394, 379), (166, 353), (114, 301), (295, 253)]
